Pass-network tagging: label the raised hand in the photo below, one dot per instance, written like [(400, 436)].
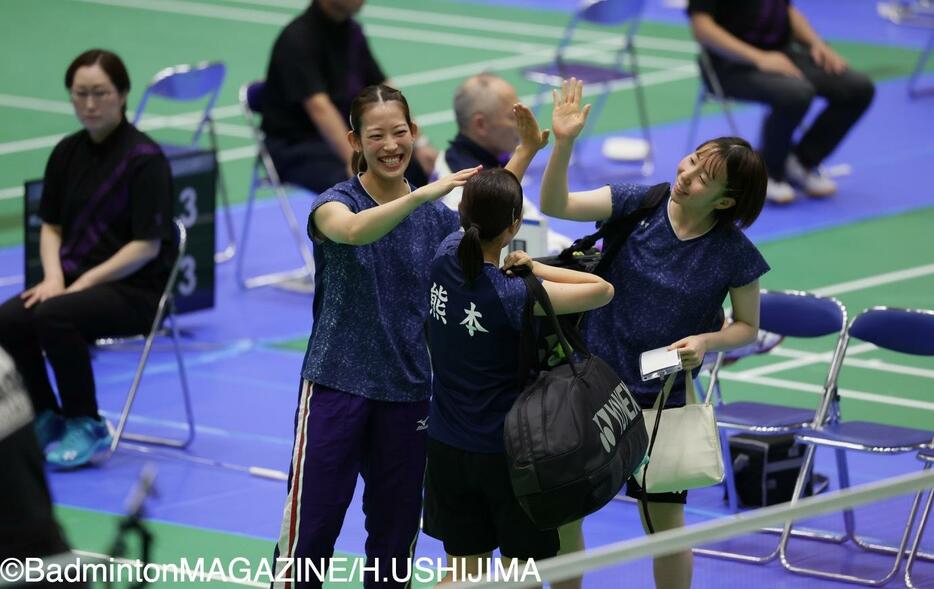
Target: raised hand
[(568, 118), (530, 137), (444, 185)]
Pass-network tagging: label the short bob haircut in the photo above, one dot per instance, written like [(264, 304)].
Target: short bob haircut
[(746, 177)]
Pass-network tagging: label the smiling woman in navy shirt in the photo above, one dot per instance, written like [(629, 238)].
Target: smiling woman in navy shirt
[(672, 276), (363, 401), (106, 246)]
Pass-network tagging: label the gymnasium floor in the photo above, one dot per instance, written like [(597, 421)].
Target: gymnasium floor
[(871, 245)]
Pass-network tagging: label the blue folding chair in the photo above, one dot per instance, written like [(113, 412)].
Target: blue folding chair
[(185, 83), (609, 13), (165, 312), (786, 314), (914, 13), (926, 456), (264, 175), (900, 330)]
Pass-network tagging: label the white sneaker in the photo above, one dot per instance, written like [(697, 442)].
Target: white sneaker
[(813, 182), (779, 192)]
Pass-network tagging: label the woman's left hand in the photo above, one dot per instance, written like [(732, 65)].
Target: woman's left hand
[(530, 137), (692, 350), (516, 258), (444, 185)]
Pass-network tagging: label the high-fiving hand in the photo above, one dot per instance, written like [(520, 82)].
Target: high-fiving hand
[(568, 118), (530, 136)]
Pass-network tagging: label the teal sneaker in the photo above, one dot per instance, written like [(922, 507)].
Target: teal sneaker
[(86, 440), (49, 427)]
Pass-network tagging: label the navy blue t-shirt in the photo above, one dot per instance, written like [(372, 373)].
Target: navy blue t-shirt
[(666, 289), (370, 304), (473, 332)]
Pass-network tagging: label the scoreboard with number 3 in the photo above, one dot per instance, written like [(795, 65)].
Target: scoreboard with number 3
[(194, 179)]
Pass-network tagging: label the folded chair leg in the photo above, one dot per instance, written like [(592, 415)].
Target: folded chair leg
[(648, 165), (844, 482), (134, 386), (228, 252), (916, 544), (186, 398), (247, 221), (843, 476), (305, 272), (695, 120)]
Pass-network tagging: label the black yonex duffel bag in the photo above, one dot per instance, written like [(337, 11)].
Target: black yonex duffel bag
[(574, 435)]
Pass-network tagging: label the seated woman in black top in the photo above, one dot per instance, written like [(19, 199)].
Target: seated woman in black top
[(473, 333), (106, 245)]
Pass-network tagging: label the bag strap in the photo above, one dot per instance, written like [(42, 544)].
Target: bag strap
[(659, 407), (537, 294), (614, 233)]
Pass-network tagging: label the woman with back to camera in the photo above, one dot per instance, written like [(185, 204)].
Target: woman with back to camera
[(474, 333), (106, 245), (671, 277)]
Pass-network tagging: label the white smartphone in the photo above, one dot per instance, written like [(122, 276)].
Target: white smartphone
[(658, 363)]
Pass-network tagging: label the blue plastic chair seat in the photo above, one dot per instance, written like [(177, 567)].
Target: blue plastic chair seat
[(877, 437), (926, 455), (587, 73), (763, 415)]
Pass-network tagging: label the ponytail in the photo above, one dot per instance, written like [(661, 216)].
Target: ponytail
[(470, 254), (490, 204)]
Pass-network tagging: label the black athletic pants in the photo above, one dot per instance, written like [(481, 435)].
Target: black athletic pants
[(848, 96), (62, 327)]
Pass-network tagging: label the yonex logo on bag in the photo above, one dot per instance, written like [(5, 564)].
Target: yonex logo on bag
[(619, 410)]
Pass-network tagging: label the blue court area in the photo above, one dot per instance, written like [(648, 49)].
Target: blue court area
[(244, 356)]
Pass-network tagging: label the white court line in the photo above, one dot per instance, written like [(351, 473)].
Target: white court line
[(426, 120), (279, 19), (870, 364), (489, 25), (818, 390), (798, 361), (39, 104), (11, 279), (873, 281)]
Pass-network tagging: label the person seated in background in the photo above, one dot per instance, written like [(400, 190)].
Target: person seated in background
[(319, 63), (766, 51), (106, 245), (487, 135)]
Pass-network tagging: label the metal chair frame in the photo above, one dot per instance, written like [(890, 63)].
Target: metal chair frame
[(705, 93), (917, 13), (165, 311), (186, 83), (607, 13), (264, 175), (928, 459), (777, 326), (829, 415)]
